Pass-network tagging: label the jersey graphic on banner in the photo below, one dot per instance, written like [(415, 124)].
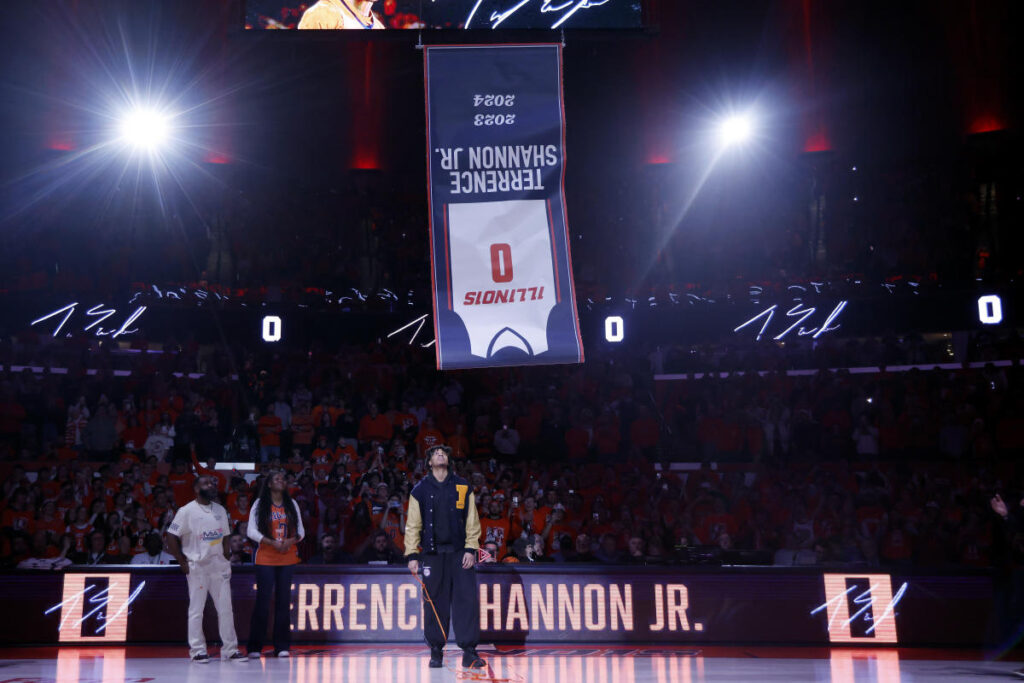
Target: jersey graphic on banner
[(503, 285)]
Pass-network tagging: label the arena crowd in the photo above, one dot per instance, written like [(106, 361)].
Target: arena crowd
[(599, 463)]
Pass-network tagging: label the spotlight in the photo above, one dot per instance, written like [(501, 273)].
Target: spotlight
[(735, 130), (145, 128)]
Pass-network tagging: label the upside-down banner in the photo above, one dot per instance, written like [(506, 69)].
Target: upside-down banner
[(501, 267)]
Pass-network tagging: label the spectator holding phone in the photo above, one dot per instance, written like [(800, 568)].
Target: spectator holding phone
[(392, 521)]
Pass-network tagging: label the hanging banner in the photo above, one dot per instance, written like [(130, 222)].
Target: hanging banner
[(501, 269)]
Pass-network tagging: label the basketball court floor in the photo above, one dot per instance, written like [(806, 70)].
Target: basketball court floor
[(408, 664)]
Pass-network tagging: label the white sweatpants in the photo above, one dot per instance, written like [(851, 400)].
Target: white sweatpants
[(213, 578)]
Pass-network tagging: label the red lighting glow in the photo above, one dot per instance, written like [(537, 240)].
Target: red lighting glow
[(217, 158), (366, 159), (368, 104), (985, 123), (810, 58), (61, 143), (817, 142)]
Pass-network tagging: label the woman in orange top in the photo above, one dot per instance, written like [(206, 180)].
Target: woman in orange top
[(275, 524)]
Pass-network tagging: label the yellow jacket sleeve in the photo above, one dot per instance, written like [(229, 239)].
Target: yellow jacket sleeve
[(413, 528), (472, 524)]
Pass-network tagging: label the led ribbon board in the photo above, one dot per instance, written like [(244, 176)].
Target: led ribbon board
[(535, 604)]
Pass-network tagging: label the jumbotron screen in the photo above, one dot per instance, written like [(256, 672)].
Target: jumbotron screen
[(331, 15)]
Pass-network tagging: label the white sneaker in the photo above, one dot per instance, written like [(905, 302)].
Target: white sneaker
[(284, 653), (255, 655)]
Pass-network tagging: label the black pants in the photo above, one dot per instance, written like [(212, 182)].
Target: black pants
[(450, 585), (1007, 622), (277, 580)]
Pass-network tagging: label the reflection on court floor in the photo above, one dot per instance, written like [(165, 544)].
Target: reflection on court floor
[(405, 664)]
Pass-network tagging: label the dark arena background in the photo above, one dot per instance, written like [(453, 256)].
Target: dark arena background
[(751, 407)]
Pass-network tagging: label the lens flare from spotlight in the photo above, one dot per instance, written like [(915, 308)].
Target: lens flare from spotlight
[(145, 128), (735, 130)]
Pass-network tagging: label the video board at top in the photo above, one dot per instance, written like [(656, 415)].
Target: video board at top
[(333, 15)]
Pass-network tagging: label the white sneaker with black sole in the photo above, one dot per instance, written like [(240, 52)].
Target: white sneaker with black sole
[(284, 653)]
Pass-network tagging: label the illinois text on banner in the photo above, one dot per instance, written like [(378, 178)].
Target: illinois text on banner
[(502, 273)]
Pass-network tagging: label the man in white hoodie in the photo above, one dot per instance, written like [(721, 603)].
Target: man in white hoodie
[(196, 539)]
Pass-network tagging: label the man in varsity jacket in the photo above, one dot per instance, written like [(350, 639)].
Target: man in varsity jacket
[(442, 535)]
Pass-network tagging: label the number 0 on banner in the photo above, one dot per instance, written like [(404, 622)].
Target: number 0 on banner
[(501, 263)]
